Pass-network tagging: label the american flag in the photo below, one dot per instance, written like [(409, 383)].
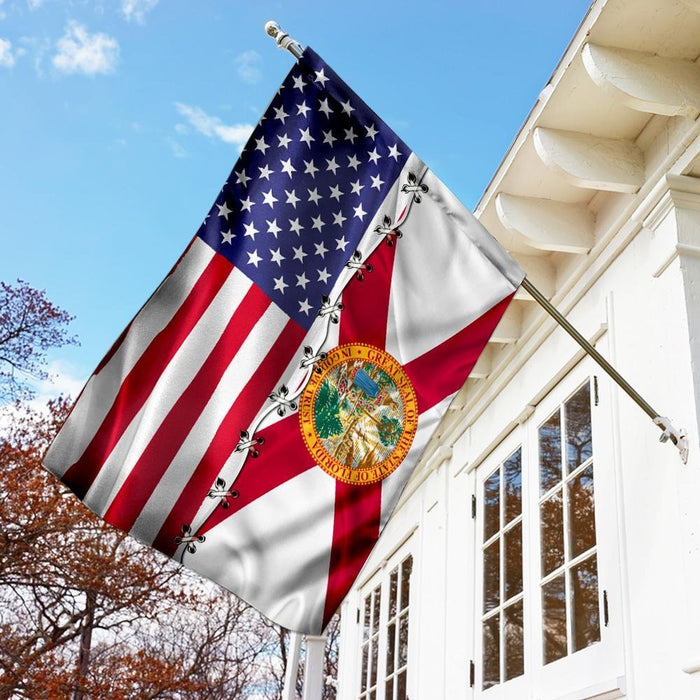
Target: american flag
[(329, 231)]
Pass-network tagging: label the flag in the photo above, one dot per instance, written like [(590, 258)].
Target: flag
[(259, 417)]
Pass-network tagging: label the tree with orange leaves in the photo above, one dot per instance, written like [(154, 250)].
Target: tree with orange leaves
[(85, 610)]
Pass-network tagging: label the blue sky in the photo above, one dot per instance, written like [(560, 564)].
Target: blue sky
[(121, 119)]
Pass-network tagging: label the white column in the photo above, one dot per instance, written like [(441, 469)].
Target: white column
[(676, 224), (313, 668), (292, 670), (678, 217), (687, 215)]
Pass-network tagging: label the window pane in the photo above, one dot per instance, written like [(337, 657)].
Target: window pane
[(365, 657), (492, 579), (513, 487), (389, 690), (584, 603), (513, 632), (581, 512), (406, 568), (550, 453), (366, 622), (552, 530), (579, 446), (373, 668), (492, 504), (376, 597), (401, 686), (554, 620), (491, 671), (390, 647), (393, 586), (513, 560), (403, 640)]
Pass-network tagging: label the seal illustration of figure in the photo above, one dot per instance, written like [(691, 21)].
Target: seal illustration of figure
[(358, 414)]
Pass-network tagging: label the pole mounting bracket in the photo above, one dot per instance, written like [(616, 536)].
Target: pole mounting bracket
[(676, 435)]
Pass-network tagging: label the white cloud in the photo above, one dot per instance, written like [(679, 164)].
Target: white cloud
[(248, 66), (3, 14), (81, 52), (64, 379), (34, 4), (39, 48), (7, 58), (137, 10), (177, 149), (213, 126)]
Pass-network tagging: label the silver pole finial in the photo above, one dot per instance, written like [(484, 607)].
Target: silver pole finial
[(282, 39)]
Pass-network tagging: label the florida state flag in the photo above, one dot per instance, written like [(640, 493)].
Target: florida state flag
[(260, 416)]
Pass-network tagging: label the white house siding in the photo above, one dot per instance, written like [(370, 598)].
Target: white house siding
[(631, 285)]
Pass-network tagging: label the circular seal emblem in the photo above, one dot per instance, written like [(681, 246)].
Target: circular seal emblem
[(358, 414)]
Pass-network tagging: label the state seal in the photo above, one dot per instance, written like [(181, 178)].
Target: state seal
[(358, 414)]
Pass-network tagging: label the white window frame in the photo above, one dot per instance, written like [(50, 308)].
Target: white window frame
[(599, 665), (516, 688), (382, 578), (603, 660)]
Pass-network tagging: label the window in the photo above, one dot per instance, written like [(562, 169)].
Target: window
[(569, 567), (385, 627), (502, 559), (397, 631), (370, 644), (544, 572)]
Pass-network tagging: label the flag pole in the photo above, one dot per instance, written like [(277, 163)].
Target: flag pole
[(677, 437), (315, 645), (669, 431)]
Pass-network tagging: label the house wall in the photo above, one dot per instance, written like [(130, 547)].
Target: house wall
[(642, 320), (630, 283)]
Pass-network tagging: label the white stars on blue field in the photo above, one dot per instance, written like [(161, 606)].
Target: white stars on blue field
[(309, 181)]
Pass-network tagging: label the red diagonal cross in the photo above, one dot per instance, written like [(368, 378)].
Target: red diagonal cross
[(434, 375)]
